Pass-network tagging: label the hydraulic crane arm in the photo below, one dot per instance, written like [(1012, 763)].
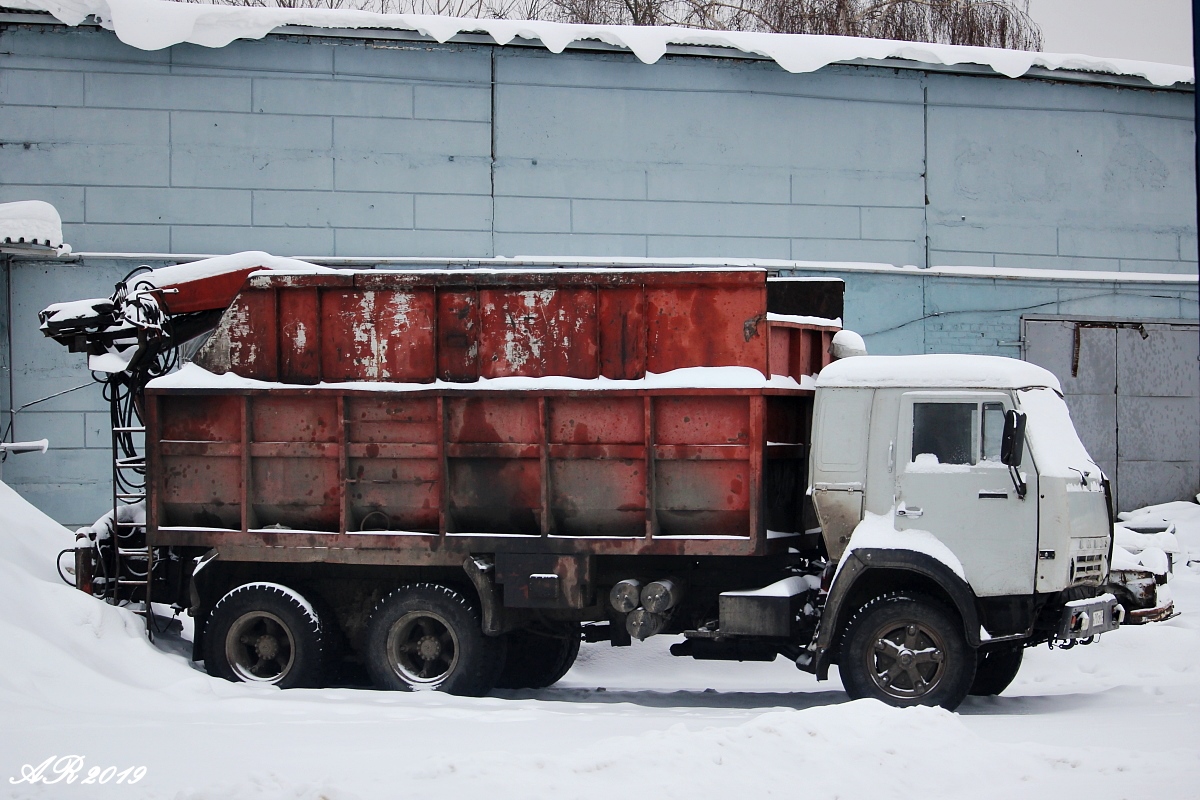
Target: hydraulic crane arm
[(152, 312)]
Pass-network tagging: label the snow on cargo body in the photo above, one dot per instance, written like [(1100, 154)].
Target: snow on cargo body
[(466, 471)]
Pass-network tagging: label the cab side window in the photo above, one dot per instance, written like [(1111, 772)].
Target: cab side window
[(945, 431), (991, 431)]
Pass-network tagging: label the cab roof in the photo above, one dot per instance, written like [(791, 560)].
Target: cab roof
[(936, 372)]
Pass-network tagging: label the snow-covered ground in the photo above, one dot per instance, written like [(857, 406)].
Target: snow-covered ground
[(1118, 719)]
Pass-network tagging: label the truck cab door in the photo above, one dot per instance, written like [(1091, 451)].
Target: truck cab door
[(951, 483)]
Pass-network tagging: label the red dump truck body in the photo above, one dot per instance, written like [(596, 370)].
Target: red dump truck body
[(414, 418)]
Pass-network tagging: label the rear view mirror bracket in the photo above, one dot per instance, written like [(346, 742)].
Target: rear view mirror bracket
[(1012, 448)]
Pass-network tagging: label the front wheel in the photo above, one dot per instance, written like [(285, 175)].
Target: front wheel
[(996, 667), (426, 636), (906, 650)]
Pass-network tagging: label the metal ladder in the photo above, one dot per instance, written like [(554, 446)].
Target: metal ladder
[(127, 493)]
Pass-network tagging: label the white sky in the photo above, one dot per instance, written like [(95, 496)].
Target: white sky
[(1143, 30)]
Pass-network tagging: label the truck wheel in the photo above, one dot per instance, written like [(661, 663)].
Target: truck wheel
[(906, 650), (264, 633), (426, 636), (539, 658), (995, 668)]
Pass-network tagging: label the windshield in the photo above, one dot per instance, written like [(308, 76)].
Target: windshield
[(1051, 436)]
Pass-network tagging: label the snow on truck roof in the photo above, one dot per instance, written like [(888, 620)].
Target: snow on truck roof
[(936, 372), (155, 24)]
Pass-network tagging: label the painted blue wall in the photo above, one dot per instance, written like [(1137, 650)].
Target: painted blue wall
[(322, 147), (316, 146)]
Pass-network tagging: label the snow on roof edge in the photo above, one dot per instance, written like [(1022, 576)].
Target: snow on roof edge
[(155, 24), (632, 262), (32, 222)]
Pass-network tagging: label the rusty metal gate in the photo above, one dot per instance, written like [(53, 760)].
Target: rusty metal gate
[(1133, 387)]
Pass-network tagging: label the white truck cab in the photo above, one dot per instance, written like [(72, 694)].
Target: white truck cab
[(960, 480)]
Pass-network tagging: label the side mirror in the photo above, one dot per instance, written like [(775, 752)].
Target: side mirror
[(1012, 440)]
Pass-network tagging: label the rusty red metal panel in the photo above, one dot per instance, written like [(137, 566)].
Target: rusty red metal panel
[(280, 418), (779, 354), (495, 495), (706, 326), (198, 491), (826, 345), (390, 418), (703, 498), (403, 330), (246, 342), (377, 335), (197, 418), (493, 417), (701, 420), (395, 494), (299, 493), (596, 420), (216, 291), (299, 323), (536, 332), (598, 497), (458, 335), (622, 317)]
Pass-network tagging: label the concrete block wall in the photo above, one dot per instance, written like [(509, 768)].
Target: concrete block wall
[(603, 155), (288, 145), (1026, 174), (337, 147), (324, 147)]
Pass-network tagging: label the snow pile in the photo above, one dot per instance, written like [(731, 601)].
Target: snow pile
[(1181, 516), (155, 24), (1115, 719), (32, 222)]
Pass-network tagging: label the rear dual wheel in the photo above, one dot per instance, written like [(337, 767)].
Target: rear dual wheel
[(539, 656), (429, 637), (265, 633)]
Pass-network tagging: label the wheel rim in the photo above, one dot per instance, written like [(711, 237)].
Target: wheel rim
[(260, 647), (907, 659), (422, 649)]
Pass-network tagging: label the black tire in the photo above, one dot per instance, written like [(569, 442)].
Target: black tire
[(906, 650), (426, 636), (995, 668), (538, 658), (264, 633)]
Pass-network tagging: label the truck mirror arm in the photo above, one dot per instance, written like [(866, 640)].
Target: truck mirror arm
[(1018, 483)]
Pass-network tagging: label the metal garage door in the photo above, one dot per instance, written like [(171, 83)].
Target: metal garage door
[(1134, 393)]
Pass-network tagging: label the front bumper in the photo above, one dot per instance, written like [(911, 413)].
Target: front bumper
[(1082, 619)]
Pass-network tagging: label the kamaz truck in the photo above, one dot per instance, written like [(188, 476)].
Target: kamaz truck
[(453, 476)]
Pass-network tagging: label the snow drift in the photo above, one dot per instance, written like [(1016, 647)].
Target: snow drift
[(1113, 720)]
